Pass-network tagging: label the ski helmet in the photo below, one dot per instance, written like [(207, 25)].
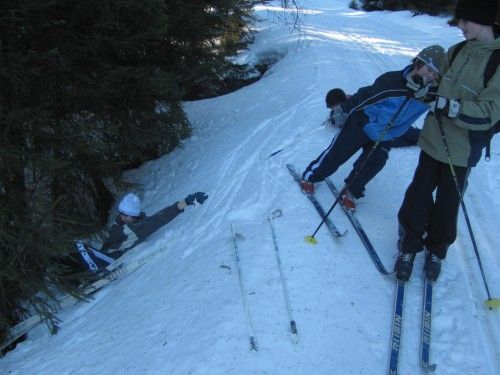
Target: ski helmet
[(432, 56)]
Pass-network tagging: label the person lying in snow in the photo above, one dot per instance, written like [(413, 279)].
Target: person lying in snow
[(377, 113), (131, 227), (376, 162)]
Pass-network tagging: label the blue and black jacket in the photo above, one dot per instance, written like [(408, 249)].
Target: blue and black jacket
[(381, 100)]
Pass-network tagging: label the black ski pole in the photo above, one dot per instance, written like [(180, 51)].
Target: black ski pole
[(310, 239), (490, 302), (298, 139)]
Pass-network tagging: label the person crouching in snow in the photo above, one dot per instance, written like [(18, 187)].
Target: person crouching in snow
[(367, 116), (377, 160), (132, 226)]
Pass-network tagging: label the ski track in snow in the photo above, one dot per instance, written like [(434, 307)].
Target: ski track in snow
[(182, 312)]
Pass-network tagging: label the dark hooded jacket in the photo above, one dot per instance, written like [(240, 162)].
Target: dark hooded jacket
[(122, 237)]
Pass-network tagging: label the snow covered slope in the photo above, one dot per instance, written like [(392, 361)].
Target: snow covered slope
[(182, 313)]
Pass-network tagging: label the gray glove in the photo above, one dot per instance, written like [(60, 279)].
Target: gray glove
[(338, 117), (416, 86), (448, 107)]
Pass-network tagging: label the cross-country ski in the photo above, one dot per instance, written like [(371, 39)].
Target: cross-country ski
[(319, 208), (360, 231)]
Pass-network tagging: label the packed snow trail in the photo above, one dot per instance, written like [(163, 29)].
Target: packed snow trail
[(181, 313)]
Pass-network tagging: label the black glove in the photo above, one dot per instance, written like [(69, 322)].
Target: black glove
[(416, 86), (198, 197), (448, 107)]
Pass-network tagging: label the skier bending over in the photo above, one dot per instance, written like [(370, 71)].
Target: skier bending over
[(376, 162), (366, 116)]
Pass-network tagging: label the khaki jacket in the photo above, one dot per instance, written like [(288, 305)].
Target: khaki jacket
[(479, 106)]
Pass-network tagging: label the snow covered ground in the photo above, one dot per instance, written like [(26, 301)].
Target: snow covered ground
[(182, 313)]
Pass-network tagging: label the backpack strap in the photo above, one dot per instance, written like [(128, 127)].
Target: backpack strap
[(457, 49), (489, 134), (489, 72), (491, 66)]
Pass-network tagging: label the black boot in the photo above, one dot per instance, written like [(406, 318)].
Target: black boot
[(432, 267), (404, 266)]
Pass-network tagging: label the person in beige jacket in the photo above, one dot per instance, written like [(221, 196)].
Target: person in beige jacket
[(466, 107)]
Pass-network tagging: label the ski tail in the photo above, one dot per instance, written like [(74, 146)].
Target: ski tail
[(425, 342), (360, 231), (397, 326)]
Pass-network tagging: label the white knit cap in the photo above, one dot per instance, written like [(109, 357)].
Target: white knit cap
[(130, 205)]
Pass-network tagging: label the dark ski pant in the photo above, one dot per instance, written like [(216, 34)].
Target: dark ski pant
[(421, 215), (377, 161), (349, 140), (358, 179)]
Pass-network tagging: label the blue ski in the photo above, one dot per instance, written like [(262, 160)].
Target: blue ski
[(397, 326), (360, 231), (331, 227), (425, 343)]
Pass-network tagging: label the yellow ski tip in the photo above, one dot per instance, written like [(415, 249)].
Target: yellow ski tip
[(311, 240), (493, 303)]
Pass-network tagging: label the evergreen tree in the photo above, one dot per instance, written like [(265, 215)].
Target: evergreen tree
[(432, 7), (202, 34), (91, 88)]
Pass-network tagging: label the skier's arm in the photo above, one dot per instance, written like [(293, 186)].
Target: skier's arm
[(410, 138), (160, 218), (365, 95), (169, 213), (484, 112)]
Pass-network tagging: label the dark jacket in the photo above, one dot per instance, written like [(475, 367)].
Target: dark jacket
[(122, 237), (381, 101)]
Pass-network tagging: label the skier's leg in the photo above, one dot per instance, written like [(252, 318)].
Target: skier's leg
[(417, 206), (373, 165), (350, 139), (442, 226)]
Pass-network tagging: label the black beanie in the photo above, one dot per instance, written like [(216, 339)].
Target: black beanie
[(335, 97), (482, 12)]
